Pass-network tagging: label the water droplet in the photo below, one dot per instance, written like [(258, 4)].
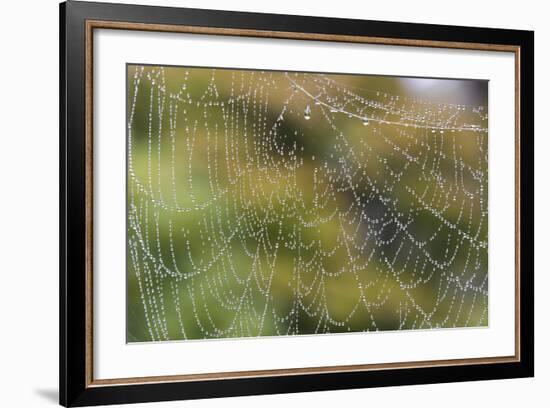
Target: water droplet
[(307, 113), (365, 121)]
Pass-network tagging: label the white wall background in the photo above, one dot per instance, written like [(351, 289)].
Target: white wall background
[(29, 204)]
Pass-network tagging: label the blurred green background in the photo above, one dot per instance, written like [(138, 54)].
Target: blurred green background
[(269, 203)]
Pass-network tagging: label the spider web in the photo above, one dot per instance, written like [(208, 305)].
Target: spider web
[(275, 203)]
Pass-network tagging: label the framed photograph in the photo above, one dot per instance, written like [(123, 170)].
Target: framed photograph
[(256, 203)]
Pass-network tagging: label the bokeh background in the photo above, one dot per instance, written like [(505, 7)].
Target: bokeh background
[(271, 203)]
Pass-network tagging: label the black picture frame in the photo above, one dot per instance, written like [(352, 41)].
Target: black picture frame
[(76, 387)]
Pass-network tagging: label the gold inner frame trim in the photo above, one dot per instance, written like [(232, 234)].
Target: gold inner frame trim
[(99, 24)]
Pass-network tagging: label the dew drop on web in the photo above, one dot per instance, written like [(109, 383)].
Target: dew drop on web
[(307, 113)]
